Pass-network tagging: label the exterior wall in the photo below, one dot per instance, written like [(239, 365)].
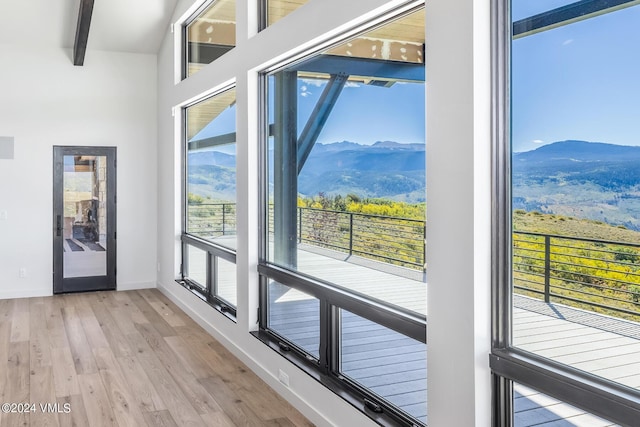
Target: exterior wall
[(46, 101)]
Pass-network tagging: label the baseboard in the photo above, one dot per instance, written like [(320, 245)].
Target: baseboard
[(26, 293), (134, 286), (297, 401)]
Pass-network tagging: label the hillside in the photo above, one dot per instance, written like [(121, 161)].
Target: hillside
[(573, 227)]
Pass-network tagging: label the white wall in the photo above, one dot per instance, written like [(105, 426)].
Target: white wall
[(46, 101), (458, 141)]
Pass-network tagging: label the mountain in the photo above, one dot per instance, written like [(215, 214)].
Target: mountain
[(580, 151), (385, 169), (589, 180), (205, 158)]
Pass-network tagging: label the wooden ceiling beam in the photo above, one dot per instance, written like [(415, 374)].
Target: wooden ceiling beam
[(82, 31)]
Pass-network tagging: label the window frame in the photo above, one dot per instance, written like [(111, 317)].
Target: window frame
[(332, 298), (207, 291), (599, 396)]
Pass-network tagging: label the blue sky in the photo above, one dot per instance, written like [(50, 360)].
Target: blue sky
[(579, 81), (366, 114), (363, 114)]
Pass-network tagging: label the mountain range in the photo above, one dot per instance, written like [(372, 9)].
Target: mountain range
[(590, 180), (385, 169)]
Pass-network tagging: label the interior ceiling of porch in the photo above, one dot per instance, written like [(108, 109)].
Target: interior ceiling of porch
[(401, 42)]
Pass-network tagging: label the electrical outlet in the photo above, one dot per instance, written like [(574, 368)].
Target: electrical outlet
[(284, 378), (158, 267), (3, 215), (22, 272)]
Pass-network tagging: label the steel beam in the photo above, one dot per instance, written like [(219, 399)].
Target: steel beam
[(375, 69), (319, 117), (285, 176), (568, 14)]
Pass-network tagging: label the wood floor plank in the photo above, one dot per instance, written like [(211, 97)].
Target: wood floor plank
[(173, 397), (78, 344), (5, 335), (64, 372), (191, 359), (91, 325), (42, 393), (232, 405), (188, 383), (76, 415), (17, 387), (164, 310), (144, 392), (188, 321), (218, 419), (279, 422), (129, 308), (160, 419), (55, 323), (40, 349), (20, 320), (152, 316), (96, 401), (126, 410), (114, 336)]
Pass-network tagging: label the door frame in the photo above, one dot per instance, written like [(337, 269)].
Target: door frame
[(91, 283)]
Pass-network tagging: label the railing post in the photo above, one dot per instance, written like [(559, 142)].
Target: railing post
[(547, 267), (350, 233), (424, 247), (223, 218), (299, 225)]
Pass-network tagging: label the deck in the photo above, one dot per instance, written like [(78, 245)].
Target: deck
[(394, 366)]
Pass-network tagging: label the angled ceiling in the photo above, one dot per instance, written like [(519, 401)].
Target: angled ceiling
[(136, 26)]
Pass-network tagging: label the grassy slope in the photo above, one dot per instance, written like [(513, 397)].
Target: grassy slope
[(568, 226)]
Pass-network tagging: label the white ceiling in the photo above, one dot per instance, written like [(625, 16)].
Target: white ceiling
[(117, 25)]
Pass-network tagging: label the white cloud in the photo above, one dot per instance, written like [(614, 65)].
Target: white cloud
[(314, 82), (567, 42), (351, 84), (538, 141)]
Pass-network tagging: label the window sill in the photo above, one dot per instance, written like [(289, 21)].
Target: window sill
[(226, 310)]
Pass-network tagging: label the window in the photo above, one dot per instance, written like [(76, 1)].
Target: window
[(345, 213), (208, 35), (210, 199), (346, 166), (571, 312), (278, 9)]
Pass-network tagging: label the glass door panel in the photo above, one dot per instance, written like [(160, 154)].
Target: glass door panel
[(85, 215)]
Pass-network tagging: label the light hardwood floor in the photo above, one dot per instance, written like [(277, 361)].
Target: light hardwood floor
[(125, 359)]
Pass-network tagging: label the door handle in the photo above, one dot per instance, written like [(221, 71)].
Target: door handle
[(59, 225)]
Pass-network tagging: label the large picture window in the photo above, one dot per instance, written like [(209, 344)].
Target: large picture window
[(572, 268), (345, 214), (210, 198)]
